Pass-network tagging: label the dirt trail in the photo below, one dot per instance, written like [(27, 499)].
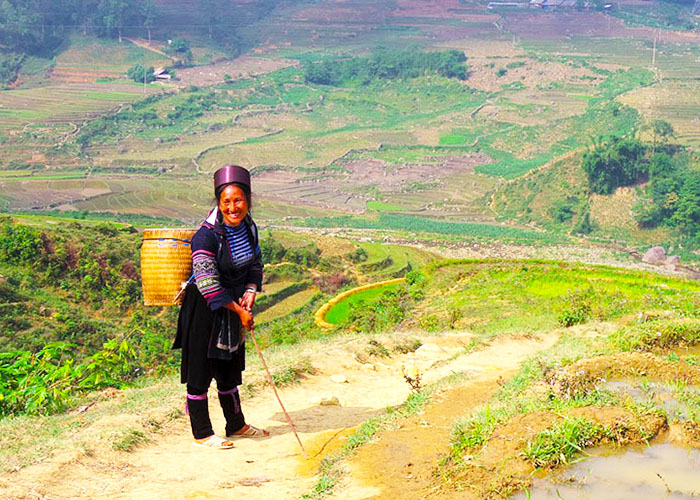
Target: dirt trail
[(148, 46), (401, 463), (170, 467)]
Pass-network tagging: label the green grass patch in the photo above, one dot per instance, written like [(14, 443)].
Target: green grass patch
[(453, 140), (658, 334), (379, 206), (340, 313), (557, 445), (463, 229)]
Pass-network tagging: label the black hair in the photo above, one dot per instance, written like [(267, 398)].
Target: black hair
[(243, 187)]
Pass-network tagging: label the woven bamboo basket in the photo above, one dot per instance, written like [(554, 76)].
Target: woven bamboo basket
[(166, 264)]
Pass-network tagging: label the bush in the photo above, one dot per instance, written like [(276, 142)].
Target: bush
[(330, 283), (381, 312), (139, 73), (387, 65), (618, 162), (19, 244), (577, 307)]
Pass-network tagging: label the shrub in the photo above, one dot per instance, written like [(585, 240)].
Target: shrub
[(139, 73), (577, 307), (382, 312), (617, 162), (19, 243), (330, 283)]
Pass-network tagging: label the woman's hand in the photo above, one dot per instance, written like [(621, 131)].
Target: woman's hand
[(246, 316), (247, 319), (248, 300)]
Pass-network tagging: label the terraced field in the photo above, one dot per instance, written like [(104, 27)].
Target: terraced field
[(674, 101), (540, 86), (87, 59), (64, 103)]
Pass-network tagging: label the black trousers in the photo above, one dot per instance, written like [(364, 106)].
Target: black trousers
[(198, 406)]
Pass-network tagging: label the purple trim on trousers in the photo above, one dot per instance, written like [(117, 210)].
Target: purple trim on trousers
[(193, 397), (232, 393)]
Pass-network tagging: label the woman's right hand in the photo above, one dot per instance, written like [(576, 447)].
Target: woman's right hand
[(247, 319)]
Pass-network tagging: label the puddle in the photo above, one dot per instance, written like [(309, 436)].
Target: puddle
[(660, 471), (679, 401)]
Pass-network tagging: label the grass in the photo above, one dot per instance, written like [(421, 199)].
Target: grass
[(339, 313), (420, 224), (129, 439), (379, 206), (557, 445), (293, 374), (652, 334), (286, 306), (28, 439)]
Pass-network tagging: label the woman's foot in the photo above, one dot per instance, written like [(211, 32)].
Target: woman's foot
[(214, 442), (249, 431)]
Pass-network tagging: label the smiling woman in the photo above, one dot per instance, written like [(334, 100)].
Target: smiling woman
[(227, 267)]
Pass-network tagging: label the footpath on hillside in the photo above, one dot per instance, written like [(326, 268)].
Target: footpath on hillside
[(396, 464)]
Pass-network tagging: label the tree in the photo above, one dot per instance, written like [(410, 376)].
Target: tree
[(218, 17), (136, 73), (181, 48), (618, 162), (661, 130), (149, 14), (687, 209)]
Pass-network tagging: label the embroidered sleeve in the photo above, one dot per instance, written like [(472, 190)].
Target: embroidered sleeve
[(206, 271)]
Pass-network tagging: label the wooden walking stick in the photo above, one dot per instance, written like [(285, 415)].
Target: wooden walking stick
[(274, 388)]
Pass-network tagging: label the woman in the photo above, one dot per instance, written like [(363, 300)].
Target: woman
[(227, 268)]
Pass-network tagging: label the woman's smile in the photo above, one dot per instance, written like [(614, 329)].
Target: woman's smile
[(233, 205)]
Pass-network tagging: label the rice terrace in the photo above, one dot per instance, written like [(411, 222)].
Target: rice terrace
[(480, 224)]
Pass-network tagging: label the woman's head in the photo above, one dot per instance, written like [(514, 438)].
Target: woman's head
[(232, 191), (233, 202)]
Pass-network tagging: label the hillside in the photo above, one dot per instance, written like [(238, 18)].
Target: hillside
[(424, 145), (472, 332), (489, 177)]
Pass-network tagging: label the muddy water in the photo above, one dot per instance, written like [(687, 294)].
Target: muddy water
[(679, 401), (660, 471)]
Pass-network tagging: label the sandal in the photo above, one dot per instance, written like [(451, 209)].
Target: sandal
[(249, 431), (214, 442)]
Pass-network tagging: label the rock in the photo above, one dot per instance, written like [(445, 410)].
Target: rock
[(673, 259), (326, 400), (655, 255), (339, 379), (329, 401)]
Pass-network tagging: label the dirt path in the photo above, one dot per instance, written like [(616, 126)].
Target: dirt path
[(146, 45), (170, 467), (401, 463)]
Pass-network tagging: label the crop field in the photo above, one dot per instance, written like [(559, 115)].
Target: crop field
[(390, 260), (63, 103), (540, 85), (286, 306), (531, 296), (676, 102), (88, 57), (340, 313)]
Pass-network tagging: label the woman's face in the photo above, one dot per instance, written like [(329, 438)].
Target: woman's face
[(233, 205)]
